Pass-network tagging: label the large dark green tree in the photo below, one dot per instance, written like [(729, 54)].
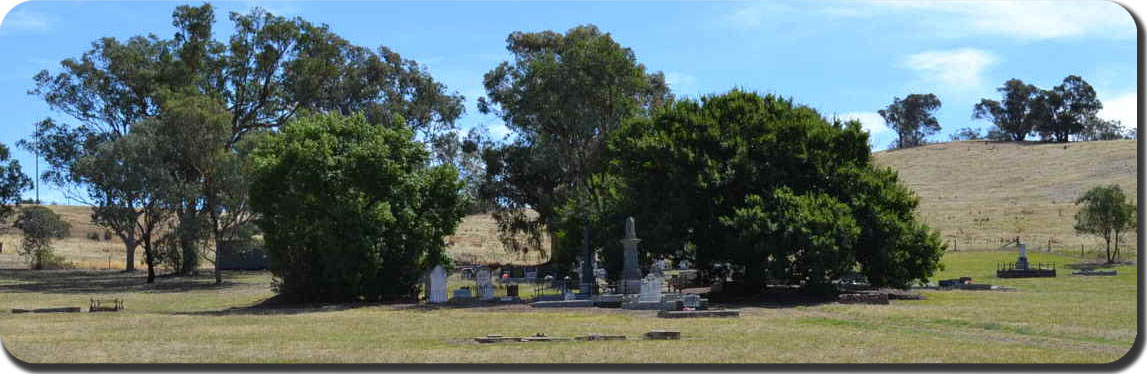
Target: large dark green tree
[(912, 119), (562, 96), (351, 211), (270, 69), (1067, 109), (772, 188), (12, 183), (1017, 113)]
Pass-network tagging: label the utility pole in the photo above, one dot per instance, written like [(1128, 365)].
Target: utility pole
[(36, 178)]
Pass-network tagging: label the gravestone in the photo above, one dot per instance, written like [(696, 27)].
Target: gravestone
[(485, 285), (463, 293), (692, 301), (631, 272), (532, 274), (436, 285), (650, 289), (1022, 261)]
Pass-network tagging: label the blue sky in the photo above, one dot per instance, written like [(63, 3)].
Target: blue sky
[(845, 58)]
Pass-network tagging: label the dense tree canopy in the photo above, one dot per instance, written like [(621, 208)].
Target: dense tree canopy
[(12, 183), (1017, 114), (1066, 109), (912, 119), (351, 211), (772, 188), (269, 70), (562, 96)]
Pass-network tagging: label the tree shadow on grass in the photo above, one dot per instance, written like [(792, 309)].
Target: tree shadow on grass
[(102, 282), (280, 305)]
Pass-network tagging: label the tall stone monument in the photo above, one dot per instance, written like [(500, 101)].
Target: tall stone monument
[(631, 272), (1022, 261)]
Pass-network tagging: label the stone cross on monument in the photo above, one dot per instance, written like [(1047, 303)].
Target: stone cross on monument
[(1022, 262), (631, 272)]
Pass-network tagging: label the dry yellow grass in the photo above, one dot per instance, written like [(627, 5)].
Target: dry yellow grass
[(476, 240), (979, 193)]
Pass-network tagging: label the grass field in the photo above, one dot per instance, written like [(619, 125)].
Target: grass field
[(978, 193), (1063, 319)]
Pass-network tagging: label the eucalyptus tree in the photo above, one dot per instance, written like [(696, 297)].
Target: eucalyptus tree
[(912, 119), (1016, 114), (268, 71), (562, 95), (12, 183)]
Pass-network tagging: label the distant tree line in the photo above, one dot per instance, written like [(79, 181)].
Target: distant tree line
[(1067, 112)]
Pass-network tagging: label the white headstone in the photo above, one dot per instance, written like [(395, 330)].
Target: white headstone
[(650, 289), (485, 284), (531, 274), (436, 290)]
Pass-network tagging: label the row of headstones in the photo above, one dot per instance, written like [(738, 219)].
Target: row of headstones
[(436, 286)]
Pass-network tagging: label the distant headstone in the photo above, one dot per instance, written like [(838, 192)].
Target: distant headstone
[(532, 274), (463, 293), (650, 289), (436, 285), (568, 296), (485, 284), (692, 301)]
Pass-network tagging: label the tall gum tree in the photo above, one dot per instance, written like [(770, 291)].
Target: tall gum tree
[(269, 70), (562, 95)]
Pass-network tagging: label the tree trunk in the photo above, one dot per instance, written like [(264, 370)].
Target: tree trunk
[(149, 257), (1107, 239), (218, 272), (188, 241), (129, 262), (1116, 257)]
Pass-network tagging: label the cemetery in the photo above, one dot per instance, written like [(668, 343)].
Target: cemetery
[(271, 188)]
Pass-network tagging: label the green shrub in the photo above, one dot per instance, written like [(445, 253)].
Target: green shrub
[(40, 226), (351, 211)]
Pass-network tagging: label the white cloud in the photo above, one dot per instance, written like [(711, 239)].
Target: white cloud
[(20, 19), (870, 121), (681, 83), (1038, 20), (758, 13), (1123, 108), (957, 68), (1024, 20)]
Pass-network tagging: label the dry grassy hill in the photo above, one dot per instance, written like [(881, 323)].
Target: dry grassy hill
[(979, 193), (475, 241)]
